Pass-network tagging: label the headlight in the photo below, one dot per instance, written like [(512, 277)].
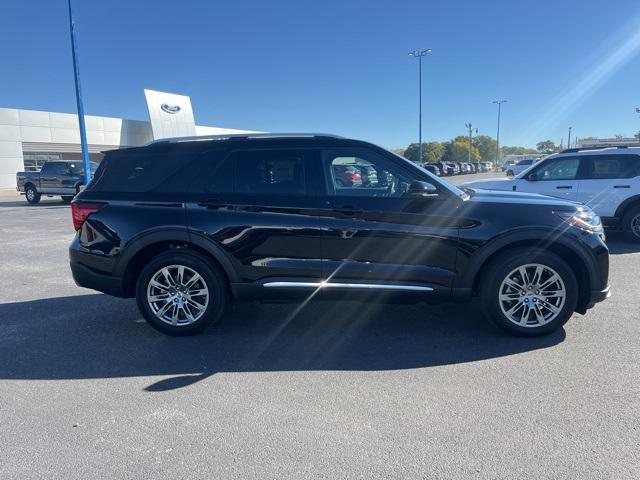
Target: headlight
[(586, 219)]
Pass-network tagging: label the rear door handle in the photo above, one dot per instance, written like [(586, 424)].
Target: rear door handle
[(622, 186), (564, 187)]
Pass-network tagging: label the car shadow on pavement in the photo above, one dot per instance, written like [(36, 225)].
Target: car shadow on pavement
[(97, 336)]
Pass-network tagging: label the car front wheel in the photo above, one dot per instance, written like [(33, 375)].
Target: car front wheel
[(181, 293), (631, 224), (529, 292)]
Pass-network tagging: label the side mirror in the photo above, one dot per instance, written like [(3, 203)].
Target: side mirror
[(418, 188), (532, 177)]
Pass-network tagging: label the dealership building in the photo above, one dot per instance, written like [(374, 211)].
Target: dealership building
[(28, 138)]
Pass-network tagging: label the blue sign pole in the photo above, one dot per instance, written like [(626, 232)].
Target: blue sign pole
[(76, 73)]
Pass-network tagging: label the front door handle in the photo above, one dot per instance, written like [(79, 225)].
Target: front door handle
[(564, 187), (622, 186)]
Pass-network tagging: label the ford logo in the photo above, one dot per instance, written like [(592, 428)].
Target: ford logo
[(170, 108)]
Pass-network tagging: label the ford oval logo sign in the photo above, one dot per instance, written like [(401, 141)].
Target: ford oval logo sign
[(170, 108)]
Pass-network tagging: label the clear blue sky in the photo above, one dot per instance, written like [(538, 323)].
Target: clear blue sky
[(338, 66)]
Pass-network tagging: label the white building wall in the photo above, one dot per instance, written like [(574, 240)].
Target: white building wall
[(51, 132)]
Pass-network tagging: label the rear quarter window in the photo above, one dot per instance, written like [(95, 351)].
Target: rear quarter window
[(145, 170)]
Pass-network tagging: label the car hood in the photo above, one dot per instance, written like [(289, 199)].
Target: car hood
[(523, 198), (493, 184)]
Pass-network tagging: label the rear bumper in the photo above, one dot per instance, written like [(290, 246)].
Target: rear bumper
[(87, 278)]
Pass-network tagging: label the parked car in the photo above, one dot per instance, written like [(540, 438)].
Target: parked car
[(189, 226), (605, 179), (444, 171), (432, 168), (63, 178), (453, 168), (507, 165), (347, 175), (521, 166)]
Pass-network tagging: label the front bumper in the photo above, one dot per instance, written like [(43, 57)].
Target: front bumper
[(598, 296)]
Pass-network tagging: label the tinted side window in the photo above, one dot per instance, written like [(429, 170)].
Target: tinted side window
[(219, 172), (270, 172), (612, 166), (50, 168), (142, 170)]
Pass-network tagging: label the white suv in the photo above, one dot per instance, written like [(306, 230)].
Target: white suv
[(606, 179), (520, 167)]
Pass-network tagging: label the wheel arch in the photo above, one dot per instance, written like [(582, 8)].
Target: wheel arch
[(140, 250), (630, 202), (578, 259)]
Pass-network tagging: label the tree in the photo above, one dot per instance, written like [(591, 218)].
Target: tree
[(619, 136), (487, 147), (431, 152), (398, 151), (458, 151), (411, 152), (547, 146), (516, 151)]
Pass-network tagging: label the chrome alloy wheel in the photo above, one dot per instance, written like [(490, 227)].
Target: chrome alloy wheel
[(177, 295), (532, 295), (635, 225), (30, 194)]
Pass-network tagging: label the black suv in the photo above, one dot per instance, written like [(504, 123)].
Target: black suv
[(187, 225)]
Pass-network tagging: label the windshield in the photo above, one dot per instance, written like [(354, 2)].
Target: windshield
[(434, 178)]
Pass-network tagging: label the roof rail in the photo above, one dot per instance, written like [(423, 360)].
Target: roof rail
[(598, 147), (243, 136)]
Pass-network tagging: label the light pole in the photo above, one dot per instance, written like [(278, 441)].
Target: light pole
[(569, 139), (638, 134), (470, 127), (499, 103), (76, 72), (419, 54)]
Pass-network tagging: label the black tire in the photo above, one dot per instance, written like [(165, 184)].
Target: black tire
[(509, 173), (67, 198), (630, 220), (31, 194), (498, 270), (214, 279)]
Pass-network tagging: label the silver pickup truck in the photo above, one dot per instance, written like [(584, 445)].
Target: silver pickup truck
[(62, 178)]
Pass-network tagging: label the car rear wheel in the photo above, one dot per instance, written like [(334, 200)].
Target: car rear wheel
[(67, 198), (181, 293), (631, 224), (529, 292), (31, 194), (509, 173)]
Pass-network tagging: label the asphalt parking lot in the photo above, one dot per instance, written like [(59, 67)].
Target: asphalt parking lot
[(349, 390)]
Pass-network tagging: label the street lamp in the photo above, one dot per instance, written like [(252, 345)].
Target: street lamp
[(419, 54), (499, 103), (76, 74), (569, 139), (470, 127)]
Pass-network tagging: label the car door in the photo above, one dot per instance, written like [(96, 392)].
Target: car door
[(259, 208), (49, 176), (375, 233), (556, 177), (608, 180)]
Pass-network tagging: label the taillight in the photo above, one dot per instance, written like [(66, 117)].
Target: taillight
[(81, 210)]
